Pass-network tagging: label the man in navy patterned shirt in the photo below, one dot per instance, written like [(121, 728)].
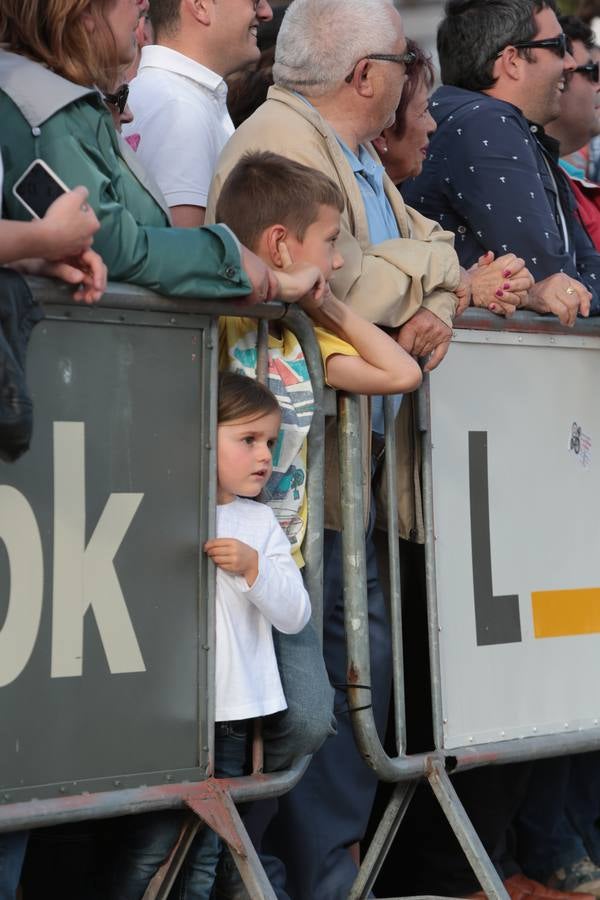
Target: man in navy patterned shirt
[(492, 175)]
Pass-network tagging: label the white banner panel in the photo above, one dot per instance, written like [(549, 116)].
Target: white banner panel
[(515, 420)]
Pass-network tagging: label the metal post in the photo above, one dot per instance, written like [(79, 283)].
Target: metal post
[(465, 833), (394, 574), (382, 840), (423, 418)]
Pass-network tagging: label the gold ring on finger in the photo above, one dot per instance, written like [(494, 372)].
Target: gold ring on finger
[(570, 290)]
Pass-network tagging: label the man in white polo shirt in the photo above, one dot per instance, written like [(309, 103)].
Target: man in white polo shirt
[(178, 97)]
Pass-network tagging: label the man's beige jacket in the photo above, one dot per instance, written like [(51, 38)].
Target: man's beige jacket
[(386, 283)]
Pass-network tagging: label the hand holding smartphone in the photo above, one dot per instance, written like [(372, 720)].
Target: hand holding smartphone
[(38, 188), (66, 224)]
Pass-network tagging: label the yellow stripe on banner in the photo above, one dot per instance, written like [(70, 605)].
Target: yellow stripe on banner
[(563, 613)]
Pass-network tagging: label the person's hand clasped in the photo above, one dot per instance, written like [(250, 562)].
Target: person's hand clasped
[(425, 335), (463, 292), (234, 556), (501, 284), (562, 296)]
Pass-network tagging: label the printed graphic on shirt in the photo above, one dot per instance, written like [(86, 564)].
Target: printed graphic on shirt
[(288, 379)]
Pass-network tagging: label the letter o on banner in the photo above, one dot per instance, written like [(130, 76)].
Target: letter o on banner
[(21, 537)]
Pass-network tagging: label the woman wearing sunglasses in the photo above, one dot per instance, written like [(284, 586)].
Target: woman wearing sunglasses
[(58, 60)]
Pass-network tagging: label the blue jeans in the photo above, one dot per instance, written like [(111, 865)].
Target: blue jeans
[(583, 801), (302, 728), (197, 876), (148, 839), (329, 809), (12, 853), (546, 838)]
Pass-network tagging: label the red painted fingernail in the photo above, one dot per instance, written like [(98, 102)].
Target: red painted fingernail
[(506, 286), (499, 293), (507, 273), (493, 307)]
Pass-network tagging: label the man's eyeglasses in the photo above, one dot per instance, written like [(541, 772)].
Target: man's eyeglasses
[(559, 45), (119, 98), (591, 71), (407, 58)]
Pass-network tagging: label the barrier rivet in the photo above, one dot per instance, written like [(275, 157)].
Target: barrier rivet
[(534, 728), (7, 796), (445, 721), (63, 790), (169, 777), (116, 782), (172, 320), (208, 445)]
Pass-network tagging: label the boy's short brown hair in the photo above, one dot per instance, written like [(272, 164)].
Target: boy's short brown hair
[(165, 16), (266, 189)]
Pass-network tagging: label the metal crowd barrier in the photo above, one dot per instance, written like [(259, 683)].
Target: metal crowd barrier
[(124, 399), (556, 357)]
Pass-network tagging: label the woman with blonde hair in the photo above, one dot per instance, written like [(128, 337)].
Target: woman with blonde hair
[(58, 58)]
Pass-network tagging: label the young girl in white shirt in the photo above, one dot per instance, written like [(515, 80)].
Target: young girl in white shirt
[(259, 587)]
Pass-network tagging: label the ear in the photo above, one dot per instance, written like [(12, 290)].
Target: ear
[(200, 11), (509, 64), (271, 240), (380, 143), (88, 19), (362, 80)]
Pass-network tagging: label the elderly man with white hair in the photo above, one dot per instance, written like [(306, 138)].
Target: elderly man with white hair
[(339, 71)]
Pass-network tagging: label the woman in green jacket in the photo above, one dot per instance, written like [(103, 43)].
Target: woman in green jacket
[(59, 56)]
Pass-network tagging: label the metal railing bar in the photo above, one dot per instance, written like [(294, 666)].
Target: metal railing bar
[(423, 399), (129, 296), (465, 833), (312, 548), (356, 603), (382, 840), (395, 587)]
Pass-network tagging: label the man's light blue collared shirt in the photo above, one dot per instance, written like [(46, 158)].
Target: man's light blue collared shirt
[(382, 226), (369, 176)]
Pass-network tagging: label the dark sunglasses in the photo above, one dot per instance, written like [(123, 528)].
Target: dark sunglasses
[(119, 98), (559, 45), (407, 58), (591, 71)]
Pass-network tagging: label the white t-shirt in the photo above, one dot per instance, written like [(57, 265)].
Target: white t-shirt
[(180, 113), (248, 682)]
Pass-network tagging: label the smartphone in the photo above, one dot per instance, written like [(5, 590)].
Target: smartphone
[(38, 187)]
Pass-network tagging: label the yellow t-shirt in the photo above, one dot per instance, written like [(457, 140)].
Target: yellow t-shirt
[(330, 344)]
